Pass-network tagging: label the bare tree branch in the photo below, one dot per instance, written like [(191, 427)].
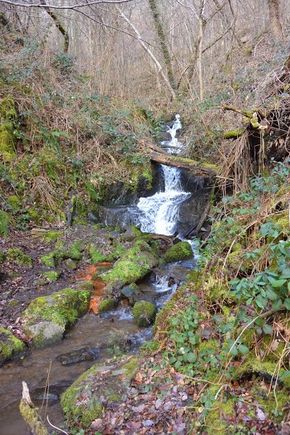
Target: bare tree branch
[(72, 7), (147, 49)]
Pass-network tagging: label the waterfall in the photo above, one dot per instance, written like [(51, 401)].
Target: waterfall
[(159, 213)]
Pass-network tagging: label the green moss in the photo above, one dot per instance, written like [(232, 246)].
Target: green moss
[(144, 313), (74, 252), (130, 368), (51, 236), (71, 264), (17, 256), (179, 251), (7, 116), (271, 403), (95, 255), (62, 307), (14, 203), (81, 402), (107, 305), (216, 420), (4, 223), (48, 260), (9, 345), (51, 276), (134, 264)]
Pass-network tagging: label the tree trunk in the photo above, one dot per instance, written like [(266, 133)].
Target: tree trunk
[(58, 25), (162, 41), (275, 20)]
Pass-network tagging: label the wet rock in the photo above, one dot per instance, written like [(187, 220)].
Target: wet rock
[(131, 292), (78, 355), (179, 251), (97, 388), (144, 313), (9, 345), (192, 209), (46, 318)]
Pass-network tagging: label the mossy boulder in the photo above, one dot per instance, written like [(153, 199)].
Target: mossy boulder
[(100, 386), (107, 305), (9, 345), (144, 313), (179, 251), (133, 265), (46, 318)]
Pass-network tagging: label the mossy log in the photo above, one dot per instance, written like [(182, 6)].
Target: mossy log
[(234, 134), (194, 167), (30, 413)]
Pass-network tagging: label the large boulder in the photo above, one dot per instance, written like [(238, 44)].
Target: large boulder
[(9, 345), (97, 388), (46, 318), (133, 265)]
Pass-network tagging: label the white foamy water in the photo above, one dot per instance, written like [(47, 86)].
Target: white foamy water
[(159, 213)]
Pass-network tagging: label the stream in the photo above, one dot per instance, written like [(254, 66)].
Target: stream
[(95, 338)]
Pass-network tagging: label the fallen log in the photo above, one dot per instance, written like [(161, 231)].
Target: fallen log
[(30, 413), (198, 169)]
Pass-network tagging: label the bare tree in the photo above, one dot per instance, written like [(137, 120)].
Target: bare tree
[(162, 41)]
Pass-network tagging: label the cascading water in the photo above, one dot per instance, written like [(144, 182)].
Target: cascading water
[(159, 213)]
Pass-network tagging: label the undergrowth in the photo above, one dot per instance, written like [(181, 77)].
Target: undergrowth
[(65, 145), (231, 319)]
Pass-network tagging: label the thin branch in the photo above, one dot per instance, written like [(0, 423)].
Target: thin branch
[(72, 7), (147, 49)]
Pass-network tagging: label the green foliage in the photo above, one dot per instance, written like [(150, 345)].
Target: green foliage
[(4, 223), (268, 289)]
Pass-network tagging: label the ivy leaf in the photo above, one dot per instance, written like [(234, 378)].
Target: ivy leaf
[(277, 305), (267, 329), (261, 302), (234, 351), (287, 303), (277, 283), (243, 349), (191, 357), (271, 294)]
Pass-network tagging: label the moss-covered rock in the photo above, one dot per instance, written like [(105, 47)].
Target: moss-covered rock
[(17, 256), (46, 318), (51, 276), (9, 345), (100, 386), (179, 251), (107, 305), (144, 313), (48, 260), (133, 265)]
